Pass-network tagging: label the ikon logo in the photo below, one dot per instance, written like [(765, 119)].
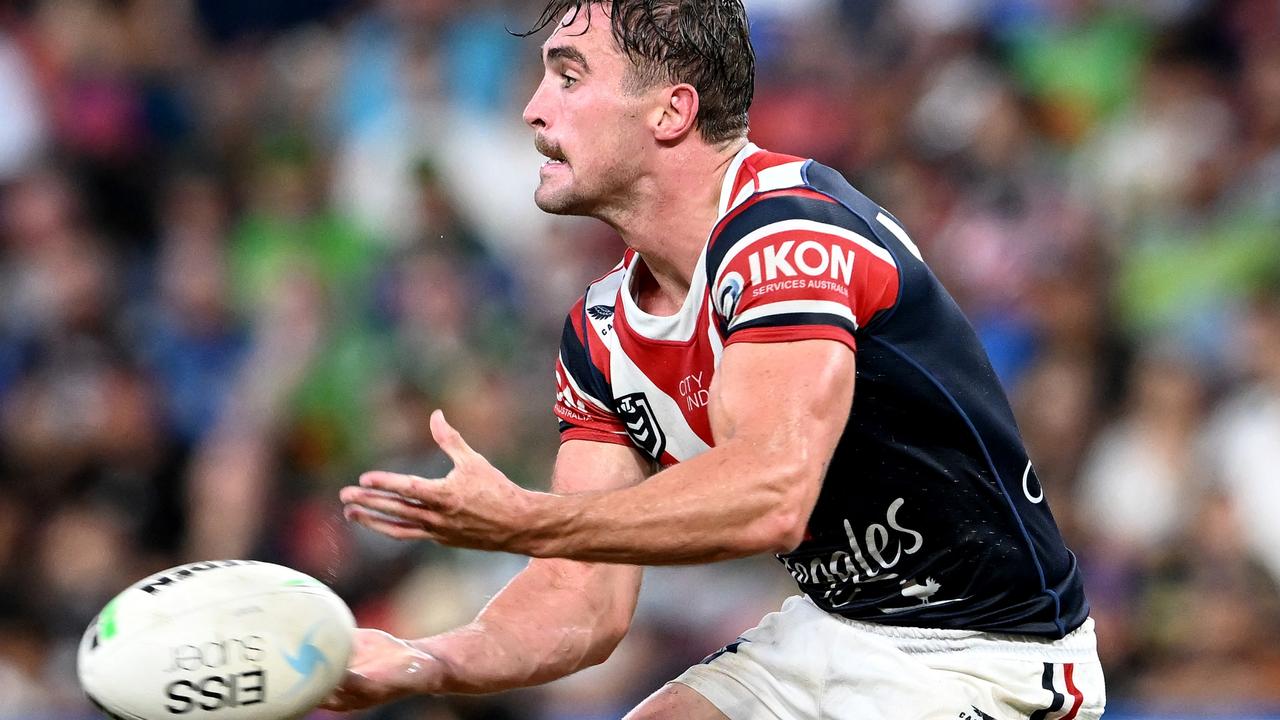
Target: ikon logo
[(809, 257)]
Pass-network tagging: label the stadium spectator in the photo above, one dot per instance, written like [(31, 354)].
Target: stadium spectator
[(223, 291)]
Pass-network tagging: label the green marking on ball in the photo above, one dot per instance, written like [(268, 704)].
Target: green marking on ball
[(299, 582), (107, 621)]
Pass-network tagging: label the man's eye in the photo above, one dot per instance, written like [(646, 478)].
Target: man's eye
[(567, 81)]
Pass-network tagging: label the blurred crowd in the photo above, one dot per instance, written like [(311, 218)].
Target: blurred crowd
[(247, 246)]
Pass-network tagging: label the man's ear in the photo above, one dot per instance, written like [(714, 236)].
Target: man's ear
[(679, 115)]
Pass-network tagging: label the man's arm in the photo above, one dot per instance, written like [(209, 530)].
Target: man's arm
[(777, 412), (557, 616), (553, 618)]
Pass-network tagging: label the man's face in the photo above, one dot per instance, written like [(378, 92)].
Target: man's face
[(590, 129)]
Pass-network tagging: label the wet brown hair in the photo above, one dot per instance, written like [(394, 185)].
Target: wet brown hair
[(705, 43)]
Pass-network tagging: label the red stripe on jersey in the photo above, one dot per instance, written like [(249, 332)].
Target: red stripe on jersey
[(587, 420), (599, 357), (598, 351), (575, 317), (1067, 671), (763, 160), (877, 281), (753, 165), (803, 266), (582, 433), (747, 175), (678, 368), (793, 333)]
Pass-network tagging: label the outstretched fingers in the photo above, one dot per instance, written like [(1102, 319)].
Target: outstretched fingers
[(471, 506), (387, 525), (440, 495), (409, 487), (450, 441), (388, 503)]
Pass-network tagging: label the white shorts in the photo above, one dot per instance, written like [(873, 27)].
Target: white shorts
[(803, 663)]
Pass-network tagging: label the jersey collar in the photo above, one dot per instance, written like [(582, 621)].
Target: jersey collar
[(727, 196)]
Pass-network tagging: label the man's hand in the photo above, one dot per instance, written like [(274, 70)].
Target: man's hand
[(384, 668), (474, 506)]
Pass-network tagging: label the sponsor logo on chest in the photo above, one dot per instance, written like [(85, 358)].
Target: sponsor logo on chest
[(793, 258)]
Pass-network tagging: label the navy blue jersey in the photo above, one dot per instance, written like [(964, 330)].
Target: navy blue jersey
[(930, 514)]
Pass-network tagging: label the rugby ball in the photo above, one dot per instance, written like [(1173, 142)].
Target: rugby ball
[(224, 639)]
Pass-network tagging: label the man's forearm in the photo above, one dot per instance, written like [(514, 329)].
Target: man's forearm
[(554, 618), (721, 505)]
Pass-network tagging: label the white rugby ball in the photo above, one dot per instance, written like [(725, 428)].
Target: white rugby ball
[(222, 639)]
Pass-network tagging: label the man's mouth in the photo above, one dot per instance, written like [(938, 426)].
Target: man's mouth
[(555, 163), (551, 152)]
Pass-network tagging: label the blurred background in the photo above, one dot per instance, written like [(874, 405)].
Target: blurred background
[(246, 246)]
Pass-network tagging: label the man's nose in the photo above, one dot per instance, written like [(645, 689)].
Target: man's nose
[(533, 115)]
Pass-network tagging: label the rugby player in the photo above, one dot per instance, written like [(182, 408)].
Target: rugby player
[(771, 368)]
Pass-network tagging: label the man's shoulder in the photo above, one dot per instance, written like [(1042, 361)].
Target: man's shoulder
[(782, 197), (793, 186), (772, 188), (757, 171)]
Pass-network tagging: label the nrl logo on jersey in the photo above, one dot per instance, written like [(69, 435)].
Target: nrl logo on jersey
[(642, 424)]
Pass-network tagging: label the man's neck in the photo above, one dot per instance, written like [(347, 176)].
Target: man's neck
[(669, 223)]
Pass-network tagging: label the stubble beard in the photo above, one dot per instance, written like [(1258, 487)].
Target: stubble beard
[(562, 201), (611, 191)]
